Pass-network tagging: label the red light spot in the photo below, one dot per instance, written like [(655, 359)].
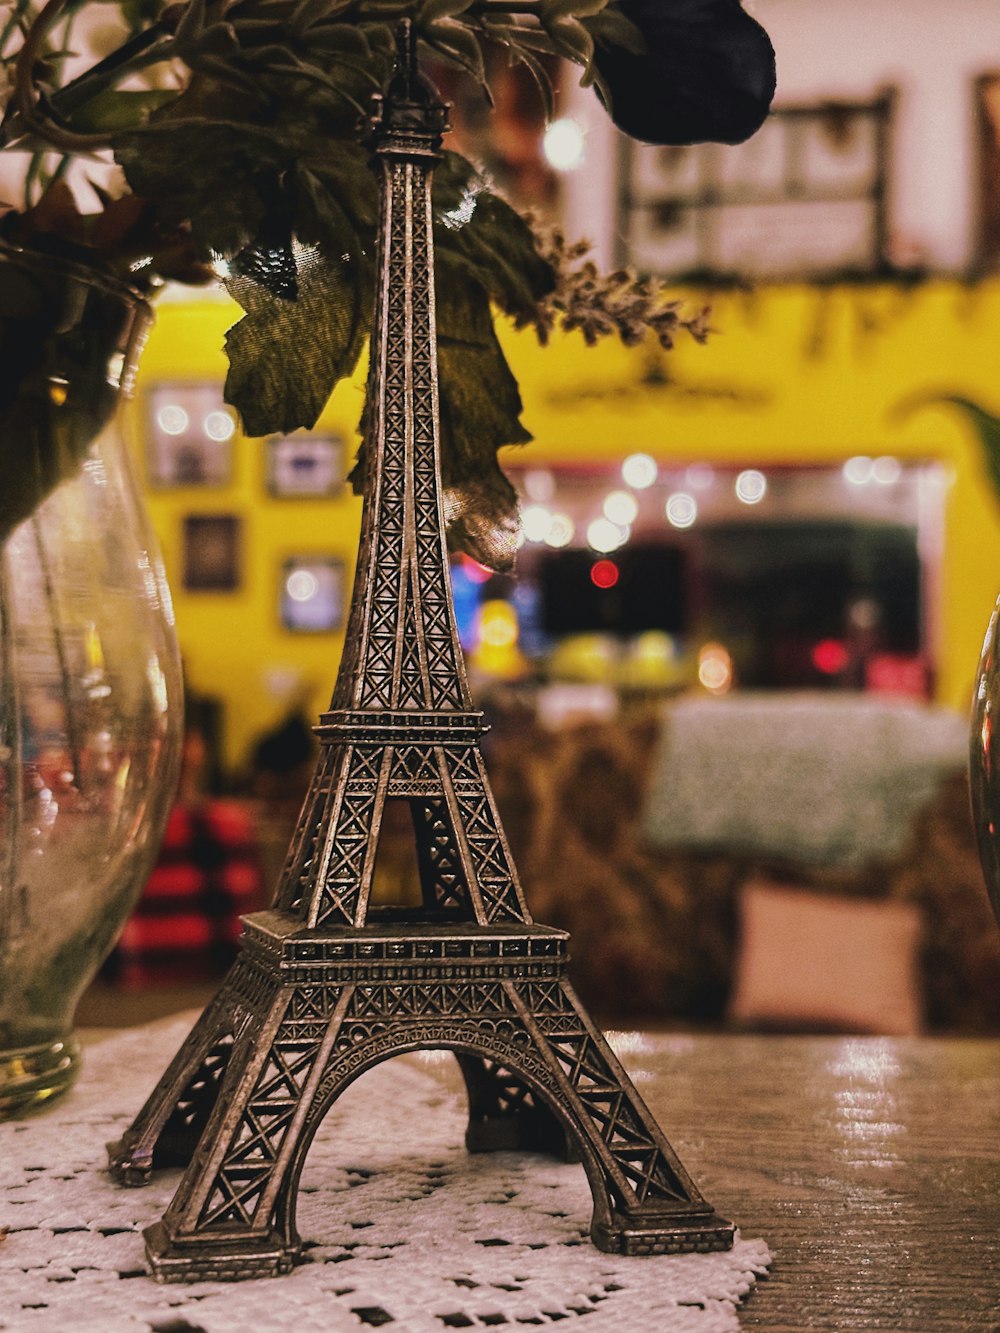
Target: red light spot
[(830, 657), (604, 574), (473, 570)]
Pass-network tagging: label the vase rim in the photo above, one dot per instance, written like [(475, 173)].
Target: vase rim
[(92, 274)]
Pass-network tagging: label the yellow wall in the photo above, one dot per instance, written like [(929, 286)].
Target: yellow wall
[(793, 374), (230, 641)]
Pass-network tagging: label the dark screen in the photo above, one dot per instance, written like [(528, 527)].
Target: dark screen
[(649, 593)]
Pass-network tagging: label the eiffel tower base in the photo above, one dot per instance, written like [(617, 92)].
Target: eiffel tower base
[(305, 1011)]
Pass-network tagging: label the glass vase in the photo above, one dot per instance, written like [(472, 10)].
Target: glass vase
[(90, 681)]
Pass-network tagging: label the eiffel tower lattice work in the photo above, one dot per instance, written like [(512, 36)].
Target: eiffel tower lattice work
[(324, 988)]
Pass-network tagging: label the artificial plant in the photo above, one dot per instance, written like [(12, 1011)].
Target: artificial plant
[(238, 126)]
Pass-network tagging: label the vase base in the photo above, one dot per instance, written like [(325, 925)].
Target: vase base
[(32, 1076)]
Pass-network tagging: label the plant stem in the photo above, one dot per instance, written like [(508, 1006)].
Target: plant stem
[(123, 61), (16, 15), (25, 99), (31, 176)]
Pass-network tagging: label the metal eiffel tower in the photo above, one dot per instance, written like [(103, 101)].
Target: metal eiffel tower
[(325, 987)]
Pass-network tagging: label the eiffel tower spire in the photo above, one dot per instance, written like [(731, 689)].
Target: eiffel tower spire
[(324, 988), (402, 650)]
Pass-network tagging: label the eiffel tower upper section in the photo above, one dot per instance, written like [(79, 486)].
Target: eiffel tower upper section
[(402, 722), (402, 652)]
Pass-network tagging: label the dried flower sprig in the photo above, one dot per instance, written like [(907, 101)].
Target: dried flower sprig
[(600, 304)]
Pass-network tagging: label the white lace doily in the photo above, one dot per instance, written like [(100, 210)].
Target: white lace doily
[(407, 1231)]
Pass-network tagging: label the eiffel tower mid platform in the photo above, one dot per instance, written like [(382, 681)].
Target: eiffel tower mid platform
[(326, 986)]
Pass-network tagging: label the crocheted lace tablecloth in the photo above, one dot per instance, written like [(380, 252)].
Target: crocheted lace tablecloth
[(404, 1229)]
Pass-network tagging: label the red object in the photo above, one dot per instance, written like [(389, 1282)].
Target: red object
[(604, 574), (897, 673), (187, 922), (830, 657), (474, 571)]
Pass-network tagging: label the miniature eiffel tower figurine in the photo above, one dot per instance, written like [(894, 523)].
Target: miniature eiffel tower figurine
[(324, 987)]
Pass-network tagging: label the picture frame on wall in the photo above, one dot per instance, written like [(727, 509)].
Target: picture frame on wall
[(312, 594), (189, 435), (305, 466), (212, 552)]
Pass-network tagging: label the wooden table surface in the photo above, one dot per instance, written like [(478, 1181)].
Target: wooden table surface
[(871, 1166)]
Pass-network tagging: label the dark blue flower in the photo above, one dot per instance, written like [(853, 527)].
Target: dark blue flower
[(707, 74)]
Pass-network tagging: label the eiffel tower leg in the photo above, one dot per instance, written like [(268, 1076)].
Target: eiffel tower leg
[(644, 1200), (165, 1131), (230, 1217), (505, 1115)]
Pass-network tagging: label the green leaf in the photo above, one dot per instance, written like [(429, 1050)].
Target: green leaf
[(345, 38), (574, 9), (308, 13), (572, 39), (192, 21), (114, 110), (985, 424), (480, 413), (535, 39), (541, 76), (285, 357), (457, 44), (341, 169), (611, 28), (496, 242), (432, 10), (219, 177)]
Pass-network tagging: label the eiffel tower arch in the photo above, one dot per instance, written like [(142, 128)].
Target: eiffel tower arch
[(327, 985)]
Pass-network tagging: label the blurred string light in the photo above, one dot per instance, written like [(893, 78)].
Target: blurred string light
[(751, 487), (604, 574), (621, 508), (563, 144), (861, 470), (715, 668), (700, 476), (639, 471), (172, 419), (561, 531), (858, 470), (219, 426), (539, 485), (301, 585), (497, 624), (605, 536), (830, 656), (886, 470), (473, 570), (536, 521), (681, 509)]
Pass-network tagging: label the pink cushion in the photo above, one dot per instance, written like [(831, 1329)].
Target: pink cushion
[(814, 961)]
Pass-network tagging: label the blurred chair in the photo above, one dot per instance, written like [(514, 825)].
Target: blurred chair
[(207, 875)]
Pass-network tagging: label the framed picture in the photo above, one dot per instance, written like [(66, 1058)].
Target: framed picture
[(212, 552), (312, 594), (805, 195), (300, 466), (189, 435)]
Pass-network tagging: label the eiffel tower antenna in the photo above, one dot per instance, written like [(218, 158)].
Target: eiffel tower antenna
[(325, 987)]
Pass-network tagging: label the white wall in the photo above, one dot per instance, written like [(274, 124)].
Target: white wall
[(930, 50)]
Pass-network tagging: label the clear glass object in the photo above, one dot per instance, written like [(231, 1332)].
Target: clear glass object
[(90, 682)]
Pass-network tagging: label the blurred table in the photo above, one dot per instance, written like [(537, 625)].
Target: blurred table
[(871, 1166)]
